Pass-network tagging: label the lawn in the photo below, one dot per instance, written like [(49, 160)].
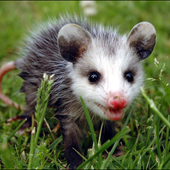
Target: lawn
[(146, 144)]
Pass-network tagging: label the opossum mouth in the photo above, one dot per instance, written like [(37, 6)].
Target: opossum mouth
[(112, 114)]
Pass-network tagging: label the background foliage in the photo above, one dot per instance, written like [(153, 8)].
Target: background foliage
[(16, 18)]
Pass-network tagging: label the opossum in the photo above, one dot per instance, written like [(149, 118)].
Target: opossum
[(88, 60)]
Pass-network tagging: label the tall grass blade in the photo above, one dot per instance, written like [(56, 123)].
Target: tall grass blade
[(106, 145), (117, 142), (91, 130), (90, 124), (13, 133), (41, 107), (153, 107)]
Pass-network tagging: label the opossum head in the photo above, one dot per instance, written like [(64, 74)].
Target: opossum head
[(105, 69)]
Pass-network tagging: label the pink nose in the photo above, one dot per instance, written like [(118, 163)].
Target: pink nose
[(118, 102)]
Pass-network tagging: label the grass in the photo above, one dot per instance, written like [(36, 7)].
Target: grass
[(146, 142)]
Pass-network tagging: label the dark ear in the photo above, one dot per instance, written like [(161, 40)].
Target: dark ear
[(143, 39), (73, 41)]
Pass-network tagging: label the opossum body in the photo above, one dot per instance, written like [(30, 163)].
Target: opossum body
[(90, 61)]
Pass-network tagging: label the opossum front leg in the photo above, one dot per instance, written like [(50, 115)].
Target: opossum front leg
[(71, 138)]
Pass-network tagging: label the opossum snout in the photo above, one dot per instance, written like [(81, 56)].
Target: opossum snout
[(117, 102)]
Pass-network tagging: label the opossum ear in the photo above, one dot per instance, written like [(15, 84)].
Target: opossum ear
[(73, 41), (143, 39)]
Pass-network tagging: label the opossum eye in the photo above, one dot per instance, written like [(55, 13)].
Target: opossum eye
[(94, 77), (129, 76)]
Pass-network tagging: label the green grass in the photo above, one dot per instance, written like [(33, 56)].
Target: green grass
[(146, 146)]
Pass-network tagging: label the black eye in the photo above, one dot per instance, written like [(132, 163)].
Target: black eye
[(129, 76), (94, 77)]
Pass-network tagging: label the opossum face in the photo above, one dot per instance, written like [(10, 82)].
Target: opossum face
[(106, 72)]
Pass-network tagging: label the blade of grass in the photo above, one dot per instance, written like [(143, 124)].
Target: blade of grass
[(92, 130), (12, 134), (154, 108), (147, 165), (130, 165), (158, 141), (55, 143), (41, 107), (42, 102), (104, 164), (19, 138), (90, 123), (166, 153), (148, 149), (137, 158), (167, 136), (80, 154), (167, 165), (135, 153), (152, 156), (154, 166), (57, 164), (121, 165), (149, 124), (6, 156), (125, 156), (106, 145), (164, 162), (31, 154)]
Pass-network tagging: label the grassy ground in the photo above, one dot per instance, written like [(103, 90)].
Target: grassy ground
[(147, 144)]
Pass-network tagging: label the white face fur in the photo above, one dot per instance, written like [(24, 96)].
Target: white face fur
[(112, 79), (108, 81)]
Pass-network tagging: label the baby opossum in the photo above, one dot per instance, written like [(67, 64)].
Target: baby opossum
[(90, 61)]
